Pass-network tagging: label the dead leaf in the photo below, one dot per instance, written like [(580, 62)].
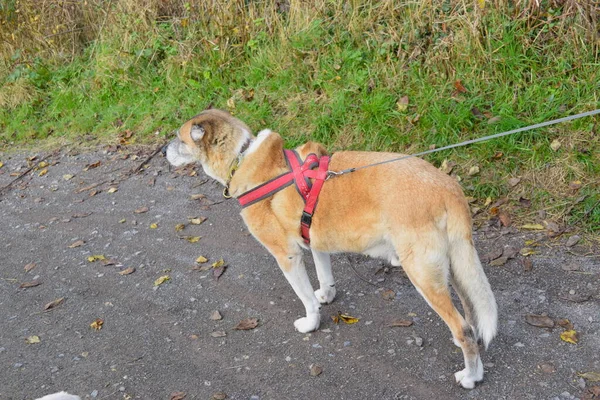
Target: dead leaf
[(220, 333), (492, 255), (218, 264), (29, 267), (201, 260), (388, 294), (153, 225), (31, 284), (335, 319), (141, 210), (533, 227), (197, 196), (474, 170), (577, 298), (32, 339), (401, 322), (178, 396), (514, 181), (526, 251), (570, 336), (459, 87), (122, 221), (127, 271), (499, 261), (93, 193), (477, 113), (108, 262), (197, 221), (527, 264), (402, 104), (504, 218), (216, 316), (97, 257), (54, 303), (68, 177), (573, 240), (524, 202), (347, 318), (575, 185), (591, 376), (547, 368), (1, 164), (565, 323), (494, 120), (541, 321), (112, 190), (315, 370), (179, 227), (555, 145), (217, 272), (191, 239), (81, 215), (76, 244), (447, 166), (248, 323), (92, 165), (97, 324), (162, 280), (43, 172)]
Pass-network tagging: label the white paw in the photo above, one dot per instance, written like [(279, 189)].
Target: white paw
[(467, 379), (307, 324), (326, 295)]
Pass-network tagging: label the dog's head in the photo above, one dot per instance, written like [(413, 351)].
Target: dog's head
[(214, 138)]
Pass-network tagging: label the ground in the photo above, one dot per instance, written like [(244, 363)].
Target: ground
[(156, 340)]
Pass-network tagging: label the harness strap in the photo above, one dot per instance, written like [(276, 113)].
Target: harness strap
[(312, 198)]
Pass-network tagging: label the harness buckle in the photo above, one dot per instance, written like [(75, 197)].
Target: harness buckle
[(306, 219)]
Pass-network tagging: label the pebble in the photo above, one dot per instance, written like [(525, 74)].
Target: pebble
[(346, 344), (317, 346), (419, 341), (254, 397), (94, 394), (18, 365), (122, 389), (288, 359), (581, 383), (2, 349), (519, 344), (54, 369)]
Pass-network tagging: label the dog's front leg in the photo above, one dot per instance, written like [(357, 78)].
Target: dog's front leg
[(326, 292), (295, 272)]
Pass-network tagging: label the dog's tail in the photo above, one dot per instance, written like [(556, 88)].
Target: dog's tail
[(469, 279)]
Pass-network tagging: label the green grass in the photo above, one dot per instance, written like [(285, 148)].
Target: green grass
[(336, 79)]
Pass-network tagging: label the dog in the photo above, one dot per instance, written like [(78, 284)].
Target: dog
[(407, 212)]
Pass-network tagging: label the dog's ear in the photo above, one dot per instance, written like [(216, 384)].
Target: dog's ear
[(197, 132)]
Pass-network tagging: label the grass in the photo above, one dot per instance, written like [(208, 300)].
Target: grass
[(333, 72)]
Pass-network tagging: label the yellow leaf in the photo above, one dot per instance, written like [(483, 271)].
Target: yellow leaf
[(67, 177), (97, 324), (1, 164), (591, 376), (32, 339), (192, 239), (153, 225), (526, 251), (122, 221), (347, 318), (488, 201), (43, 164), (112, 190), (335, 319), (43, 172), (532, 243), (533, 227), (179, 227), (162, 280), (97, 257), (402, 104), (201, 260), (127, 271), (197, 221), (231, 103), (569, 336), (481, 4), (218, 264)]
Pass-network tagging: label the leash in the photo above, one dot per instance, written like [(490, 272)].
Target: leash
[(332, 174)]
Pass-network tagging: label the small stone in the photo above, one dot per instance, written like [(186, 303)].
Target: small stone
[(489, 365), (18, 365), (121, 388), (581, 383), (54, 369), (315, 370), (254, 397), (288, 359), (317, 346), (219, 396), (573, 240), (547, 368), (216, 316), (419, 341), (565, 394), (519, 344), (571, 291), (2, 349), (94, 394), (346, 344)]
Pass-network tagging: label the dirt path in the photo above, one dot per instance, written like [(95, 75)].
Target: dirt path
[(157, 340)]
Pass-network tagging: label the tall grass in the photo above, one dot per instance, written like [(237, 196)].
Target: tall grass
[(379, 75)]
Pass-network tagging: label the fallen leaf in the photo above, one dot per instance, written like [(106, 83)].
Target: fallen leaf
[(541, 321), (220, 333), (162, 280), (316, 370), (32, 339), (216, 316), (76, 244), (481, 4), (197, 196), (153, 225), (514, 181), (402, 103), (524, 202), (194, 337), (474, 170), (68, 177), (112, 190), (401, 322), (31, 284), (92, 165), (191, 239), (43, 172), (127, 271), (98, 257), (219, 396), (533, 227), (81, 215), (122, 221), (570, 336), (575, 185), (459, 86), (573, 240), (526, 251), (577, 298), (201, 260), (141, 210), (335, 319), (93, 193), (591, 376), (499, 261), (248, 323), (553, 227), (178, 396), (29, 267), (447, 166), (555, 145), (494, 120), (218, 264), (217, 272), (477, 113), (197, 221), (179, 227), (388, 294), (108, 262), (565, 323), (54, 303), (347, 318), (547, 368), (504, 218), (97, 324), (527, 264), (1, 164)]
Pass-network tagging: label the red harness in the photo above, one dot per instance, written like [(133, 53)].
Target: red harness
[(300, 174)]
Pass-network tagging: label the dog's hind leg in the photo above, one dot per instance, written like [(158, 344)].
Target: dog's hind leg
[(427, 266), (326, 292)]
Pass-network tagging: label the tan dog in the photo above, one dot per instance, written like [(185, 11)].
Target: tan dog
[(407, 212)]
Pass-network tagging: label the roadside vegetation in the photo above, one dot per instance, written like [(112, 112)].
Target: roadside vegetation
[(372, 75)]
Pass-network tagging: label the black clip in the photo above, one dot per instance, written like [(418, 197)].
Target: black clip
[(306, 219)]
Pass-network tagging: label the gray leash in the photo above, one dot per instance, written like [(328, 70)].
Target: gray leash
[(331, 174)]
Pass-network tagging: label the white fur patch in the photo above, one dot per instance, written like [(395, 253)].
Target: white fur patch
[(262, 135), (60, 396)]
